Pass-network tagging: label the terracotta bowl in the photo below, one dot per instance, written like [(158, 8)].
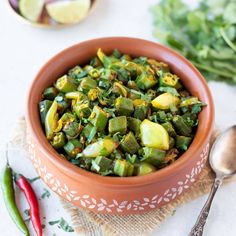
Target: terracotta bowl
[(117, 195)]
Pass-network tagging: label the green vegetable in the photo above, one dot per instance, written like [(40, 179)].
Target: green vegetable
[(88, 83), (82, 109), (171, 142), (181, 126), (50, 93), (124, 106), (89, 132), (183, 142), (146, 81), (169, 128), (140, 111), (72, 129), (189, 102), (168, 79), (101, 164), (73, 147), (43, 109), (62, 103), (153, 156), (129, 143), (59, 140), (51, 120), (65, 84), (205, 34), (144, 168), (9, 199), (123, 168), (62, 224), (134, 125), (118, 124), (45, 194), (103, 147), (120, 116), (98, 118)]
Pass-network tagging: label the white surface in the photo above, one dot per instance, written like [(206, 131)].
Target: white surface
[(23, 50)]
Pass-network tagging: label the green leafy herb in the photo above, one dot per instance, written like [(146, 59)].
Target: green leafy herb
[(27, 213), (46, 194), (205, 35), (31, 180), (171, 90), (62, 224)]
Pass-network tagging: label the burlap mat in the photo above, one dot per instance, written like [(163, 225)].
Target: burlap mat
[(92, 224)]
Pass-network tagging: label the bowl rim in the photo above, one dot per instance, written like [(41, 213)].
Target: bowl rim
[(80, 174)]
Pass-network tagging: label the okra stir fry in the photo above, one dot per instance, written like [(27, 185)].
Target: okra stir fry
[(119, 116)]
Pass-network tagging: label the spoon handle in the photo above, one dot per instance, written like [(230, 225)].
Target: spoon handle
[(198, 228)]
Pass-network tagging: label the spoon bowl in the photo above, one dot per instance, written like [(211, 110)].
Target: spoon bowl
[(223, 154), (223, 162)]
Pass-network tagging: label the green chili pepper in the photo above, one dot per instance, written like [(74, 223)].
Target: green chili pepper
[(51, 120), (9, 199)]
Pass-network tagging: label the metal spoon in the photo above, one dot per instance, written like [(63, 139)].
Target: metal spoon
[(223, 162)]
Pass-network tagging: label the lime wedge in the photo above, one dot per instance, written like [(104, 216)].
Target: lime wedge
[(68, 12), (31, 9), (154, 135)]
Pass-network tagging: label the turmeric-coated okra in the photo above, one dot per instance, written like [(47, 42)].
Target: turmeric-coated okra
[(119, 116)]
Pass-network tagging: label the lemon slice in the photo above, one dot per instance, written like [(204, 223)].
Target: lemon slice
[(68, 12), (154, 135), (31, 9)]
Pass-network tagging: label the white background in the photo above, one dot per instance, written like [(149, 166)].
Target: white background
[(23, 50)]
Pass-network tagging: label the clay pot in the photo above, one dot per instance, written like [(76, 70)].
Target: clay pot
[(117, 195)]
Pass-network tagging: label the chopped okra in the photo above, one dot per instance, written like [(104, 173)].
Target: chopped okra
[(129, 143), (118, 124), (124, 106), (65, 84), (98, 118), (119, 116)]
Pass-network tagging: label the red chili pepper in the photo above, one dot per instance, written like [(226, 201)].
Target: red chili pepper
[(33, 203)]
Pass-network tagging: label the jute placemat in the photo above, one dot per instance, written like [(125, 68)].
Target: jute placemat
[(92, 224)]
